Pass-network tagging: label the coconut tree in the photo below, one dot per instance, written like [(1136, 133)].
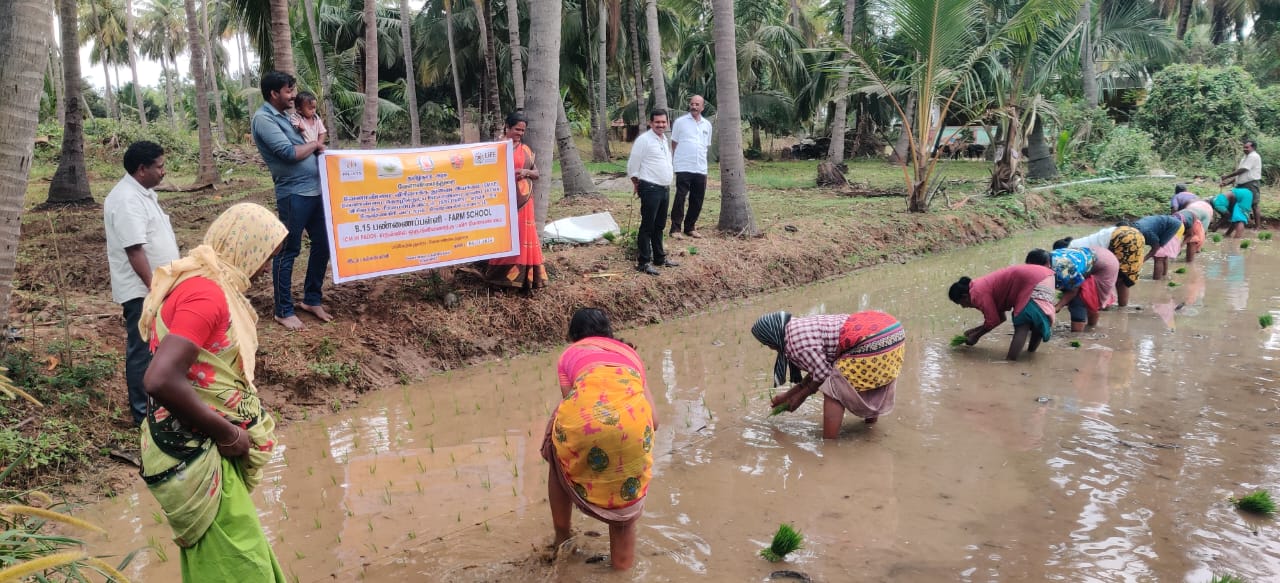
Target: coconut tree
[(948, 55), (577, 181), (133, 61), (633, 33), (23, 30), (164, 35), (489, 123), (543, 94), (599, 105), (517, 60), (735, 210), (836, 154), (102, 24), (411, 82), (207, 172), (322, 66), (655, 54), (453, 64), (281, 37), (70, 182), (369, 122)]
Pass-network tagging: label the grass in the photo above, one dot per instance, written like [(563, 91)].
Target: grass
[(1265, 320), (785, 541), (1258, 502)]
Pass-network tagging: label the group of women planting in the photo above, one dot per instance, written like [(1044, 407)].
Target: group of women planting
[(1095, 271), (599, 440)]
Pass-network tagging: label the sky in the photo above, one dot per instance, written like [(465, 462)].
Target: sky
[(149, 70)]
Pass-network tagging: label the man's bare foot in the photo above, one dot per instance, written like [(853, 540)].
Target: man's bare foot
[(317, 311), (292, 323)]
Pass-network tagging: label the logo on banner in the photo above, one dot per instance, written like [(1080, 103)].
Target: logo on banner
[(350, 169), (484, 157)]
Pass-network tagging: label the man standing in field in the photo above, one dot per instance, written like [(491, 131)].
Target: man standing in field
[(295, 170), (690, 138), (1248, 175), (139, 240), (650, 170)]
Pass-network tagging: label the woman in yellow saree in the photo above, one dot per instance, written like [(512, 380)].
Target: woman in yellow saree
[(599, 441), (206, 437)]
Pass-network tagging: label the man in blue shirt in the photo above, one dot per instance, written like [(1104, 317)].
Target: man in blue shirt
[(295, 170)]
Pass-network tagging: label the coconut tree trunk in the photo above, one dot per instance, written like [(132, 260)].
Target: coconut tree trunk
[(133, 62), (901, 147), (1088, 68), (835, 154), (70, 182), (369, 121), (55, 69), (244, 60), (207, 172), (655, 54), (212, 72), (1184, 16), (489, 123), (453, 66), (1040, 162), (517, 60), (322, 69), (23, 34), (735, 211), (168, 88), (411, 81), (638, 68), (577, 181), (543, 97), (599, 105), (1007, 176), (282, 37), (104, 54)]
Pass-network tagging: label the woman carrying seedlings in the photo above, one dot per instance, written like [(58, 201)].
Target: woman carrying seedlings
[(1087, 279), (1193, 227), (1025, 289), (854, 359), (599, 441), (1164, 234), (207, 437), (523, 271), (1126, 244)]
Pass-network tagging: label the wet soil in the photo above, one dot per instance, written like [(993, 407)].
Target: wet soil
[(1111, 461)]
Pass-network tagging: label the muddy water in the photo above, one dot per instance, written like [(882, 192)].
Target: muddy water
[(1108, 462)]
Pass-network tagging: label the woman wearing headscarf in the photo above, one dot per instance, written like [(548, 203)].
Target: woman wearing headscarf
[(599, 441), (207, 437), (1026, 290), (1126, 244), (523, 271), (853, 359)]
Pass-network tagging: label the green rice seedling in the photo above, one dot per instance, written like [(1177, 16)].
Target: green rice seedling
[(1259, 503), (1265, 320), (785, 541), (1265, 235), (1173, 284), (693, 250), (780, 409), (1225, 578), (1075, 344), (1217, 238), (1180, 270), (1244, 244), (317, 522), (299, 555), (958, 340)]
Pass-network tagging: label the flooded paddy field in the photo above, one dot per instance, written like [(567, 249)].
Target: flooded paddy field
[(1111, 461)]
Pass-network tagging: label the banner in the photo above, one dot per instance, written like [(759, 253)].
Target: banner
[(396, 211)]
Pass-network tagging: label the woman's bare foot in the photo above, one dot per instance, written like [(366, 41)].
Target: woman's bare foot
[(871, 420), (292, 323), (317, 311)]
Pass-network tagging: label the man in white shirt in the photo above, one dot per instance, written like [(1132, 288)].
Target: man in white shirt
[(650, 170), (1248, 175), (690, 138), (139, 240)]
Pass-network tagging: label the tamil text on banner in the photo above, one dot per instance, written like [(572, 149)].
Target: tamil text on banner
[(395, 211)]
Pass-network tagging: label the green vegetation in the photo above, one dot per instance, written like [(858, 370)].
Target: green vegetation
[(1180, 270), (1075, 344), (1265, 320), (1127, 151), (1173, 284), (1264, 236), (1224, 578), (340, 372), (1244, 244), (785, 541), (1200, 113), (959, 340), (1217, 238), (780, 409), (1258, 502)]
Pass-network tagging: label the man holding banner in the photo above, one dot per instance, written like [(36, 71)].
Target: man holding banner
[(650, 170), (295, 171)]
